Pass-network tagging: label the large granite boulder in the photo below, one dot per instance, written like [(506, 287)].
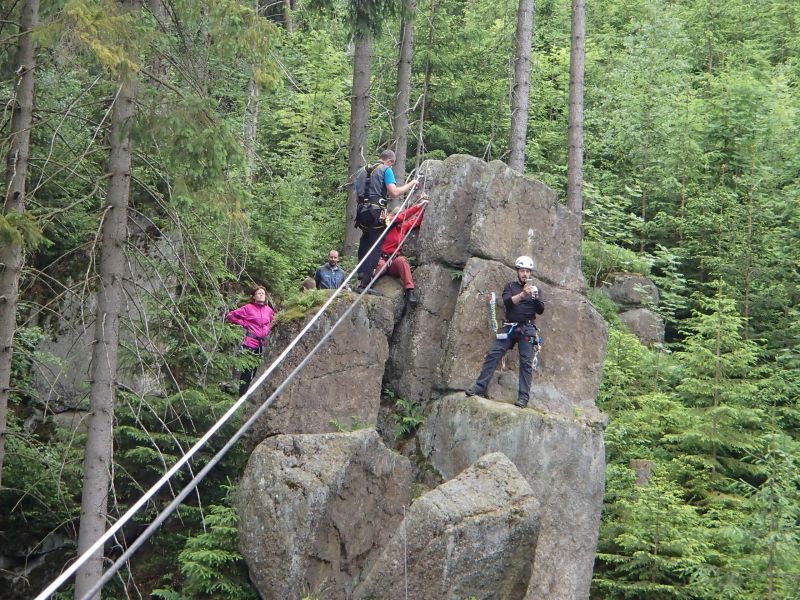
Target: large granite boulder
[(340, 385), (573, 351), (644, 324), (489, 210), (562, 459), (315, 508), (419, 341), (630, 289), (472, 536)]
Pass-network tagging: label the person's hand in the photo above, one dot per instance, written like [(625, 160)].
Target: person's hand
[(414, 183), (527, 290), (424, 201)]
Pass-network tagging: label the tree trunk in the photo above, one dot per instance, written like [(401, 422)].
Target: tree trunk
[(401, 99), (251, 127), (520, 94), (12, 254), (359, 120), (251, 118), (287, 15), (97, 463), (575, 133), (425, 86)]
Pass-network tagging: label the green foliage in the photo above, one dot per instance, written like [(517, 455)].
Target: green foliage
[(355, 424), (298, 305), (408, 417), (605, 306), (20, 228), (600, 259), (210, 562), (661, 542)]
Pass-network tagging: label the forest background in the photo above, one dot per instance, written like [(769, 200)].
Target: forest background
[(239, 136)]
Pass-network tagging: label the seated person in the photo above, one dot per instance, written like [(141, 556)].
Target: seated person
[(405, 221)]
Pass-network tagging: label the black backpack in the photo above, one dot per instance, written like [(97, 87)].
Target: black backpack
[(370, 215), (363, 176)]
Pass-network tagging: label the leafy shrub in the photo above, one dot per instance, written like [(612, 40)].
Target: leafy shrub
[(211, 563), (600, 258)]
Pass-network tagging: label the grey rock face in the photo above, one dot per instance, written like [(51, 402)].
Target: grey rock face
[(340, 384), (644, 324), (62, 383), (418, 343), (314, 508), (491, 211), (629, 289), (472, 536), (316, 515), (573, 351), (563, 461)]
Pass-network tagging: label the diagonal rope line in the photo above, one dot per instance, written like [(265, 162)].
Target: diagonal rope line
[(164, 514), (61, 579)]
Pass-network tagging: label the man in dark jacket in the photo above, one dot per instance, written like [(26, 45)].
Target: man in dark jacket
[(522, 302), (330, 275)]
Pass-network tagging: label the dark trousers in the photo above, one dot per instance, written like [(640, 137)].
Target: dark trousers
[(498, 351), (368, 238), (247, 376)]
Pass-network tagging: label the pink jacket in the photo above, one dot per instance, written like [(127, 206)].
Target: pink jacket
[(256, 320)]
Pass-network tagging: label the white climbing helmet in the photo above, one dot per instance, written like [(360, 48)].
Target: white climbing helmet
[(524, 262)]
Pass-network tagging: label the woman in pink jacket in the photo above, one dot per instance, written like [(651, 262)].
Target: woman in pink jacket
[(256, 317)]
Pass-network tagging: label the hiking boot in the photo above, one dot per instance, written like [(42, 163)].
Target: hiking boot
[(411, 297), (474, 391), (521, 402)]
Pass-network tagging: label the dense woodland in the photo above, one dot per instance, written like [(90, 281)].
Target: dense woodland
[(236, 121)]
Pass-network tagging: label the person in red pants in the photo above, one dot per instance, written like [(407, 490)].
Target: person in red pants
[(398, 266)]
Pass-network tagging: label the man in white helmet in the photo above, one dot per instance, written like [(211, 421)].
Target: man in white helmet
[(522, 302)]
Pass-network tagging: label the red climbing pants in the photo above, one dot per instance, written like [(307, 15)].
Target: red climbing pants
[(399, 267)]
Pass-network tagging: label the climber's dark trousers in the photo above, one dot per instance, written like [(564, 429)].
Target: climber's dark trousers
[(368, 237), (499, 349), (247, 376)]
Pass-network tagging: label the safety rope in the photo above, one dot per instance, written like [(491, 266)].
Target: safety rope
[(493, 312), (111, 531), (164, 514)]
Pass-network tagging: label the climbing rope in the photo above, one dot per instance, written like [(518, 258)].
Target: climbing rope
[(493, 325), (164, 514), (100, 542)]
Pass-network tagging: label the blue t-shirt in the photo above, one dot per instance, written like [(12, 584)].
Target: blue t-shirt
[(388, 177)]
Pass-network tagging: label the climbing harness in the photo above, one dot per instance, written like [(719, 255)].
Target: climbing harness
[(536, 339)]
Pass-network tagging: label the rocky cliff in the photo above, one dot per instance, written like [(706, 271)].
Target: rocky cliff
[(517, 509)]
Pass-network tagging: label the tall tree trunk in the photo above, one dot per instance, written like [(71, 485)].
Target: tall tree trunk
[(251, 119), (287, 15), (425, 86), (359, 121), (520, 94), (577, 62), (251, 126), (401, 99), (12, 254), (98, 455)]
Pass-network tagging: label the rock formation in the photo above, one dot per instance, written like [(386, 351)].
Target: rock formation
[(473, 536), (636, 296), (520, 523), (315, 508)]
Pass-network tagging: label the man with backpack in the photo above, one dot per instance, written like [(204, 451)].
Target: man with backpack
[(375, 184)]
